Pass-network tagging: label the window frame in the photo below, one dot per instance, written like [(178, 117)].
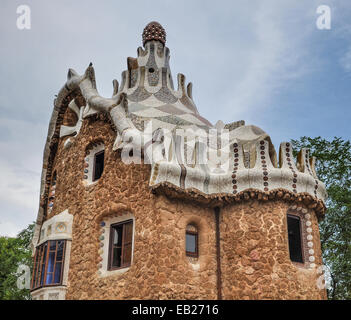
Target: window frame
[(42, 253), (123, 244), (302, 247), (93, 179), (190, 253)]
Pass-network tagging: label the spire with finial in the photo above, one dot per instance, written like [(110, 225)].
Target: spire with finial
[(154, 31)]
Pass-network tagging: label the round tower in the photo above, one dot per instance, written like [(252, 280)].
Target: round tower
[(143, 198)]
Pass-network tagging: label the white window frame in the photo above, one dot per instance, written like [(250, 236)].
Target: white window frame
[(104, 239), (90, 159)]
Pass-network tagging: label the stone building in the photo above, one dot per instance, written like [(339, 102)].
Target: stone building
[(143, 198)]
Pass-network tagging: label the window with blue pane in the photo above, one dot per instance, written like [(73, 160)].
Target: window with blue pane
[(191, 241), (48, 264)]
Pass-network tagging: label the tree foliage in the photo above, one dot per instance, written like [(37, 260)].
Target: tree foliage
[(333, 167), (13, 252)]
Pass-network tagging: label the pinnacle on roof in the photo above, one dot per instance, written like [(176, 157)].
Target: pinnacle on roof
[(154, 31)]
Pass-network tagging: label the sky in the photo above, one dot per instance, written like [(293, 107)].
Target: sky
[(265, 62)]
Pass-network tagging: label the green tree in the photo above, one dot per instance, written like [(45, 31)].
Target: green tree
[(13, 252), (333, 167)]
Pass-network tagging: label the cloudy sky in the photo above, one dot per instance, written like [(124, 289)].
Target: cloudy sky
[(265, 62)]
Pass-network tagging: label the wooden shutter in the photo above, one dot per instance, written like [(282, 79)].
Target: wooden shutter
[(127, 243)]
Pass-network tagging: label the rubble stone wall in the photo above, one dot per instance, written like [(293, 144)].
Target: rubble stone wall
[(256, 262), (255, 259)]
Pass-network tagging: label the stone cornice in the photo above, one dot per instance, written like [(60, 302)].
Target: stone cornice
[(221, 199)]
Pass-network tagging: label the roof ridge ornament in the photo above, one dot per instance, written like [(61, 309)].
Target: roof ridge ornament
[(154, 31)]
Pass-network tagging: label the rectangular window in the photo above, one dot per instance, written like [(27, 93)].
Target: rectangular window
[(48, 264), (191, 244), (98, 165), (121, 238), (295, 243)]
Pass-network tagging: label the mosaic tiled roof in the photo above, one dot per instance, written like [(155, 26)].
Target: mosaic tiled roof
[(150, 92), (147, 93)]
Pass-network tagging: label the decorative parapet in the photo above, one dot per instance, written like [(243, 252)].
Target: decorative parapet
[(59, 227), (263, 176)]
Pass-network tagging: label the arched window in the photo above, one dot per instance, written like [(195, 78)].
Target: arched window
[(300, 236), (295, 238), (94, 162), (191, 241), (99, 158)]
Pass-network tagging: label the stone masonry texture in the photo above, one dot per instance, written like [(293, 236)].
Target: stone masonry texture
[(255, 262)]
